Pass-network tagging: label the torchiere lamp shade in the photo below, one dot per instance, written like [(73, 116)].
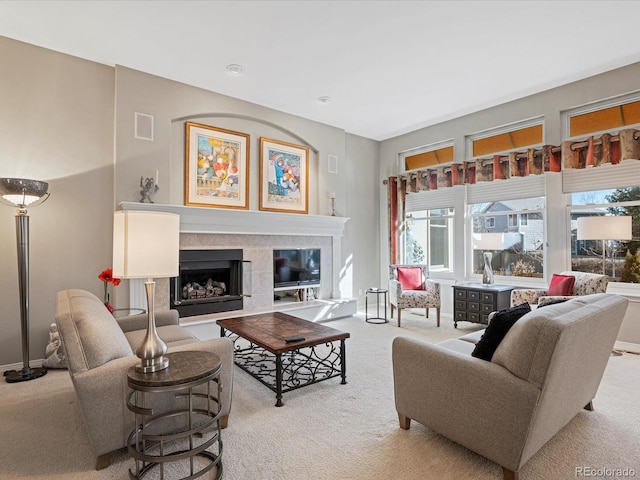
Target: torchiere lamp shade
[(145, 244)]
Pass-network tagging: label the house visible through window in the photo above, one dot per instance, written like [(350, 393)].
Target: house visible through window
[(517, 248)]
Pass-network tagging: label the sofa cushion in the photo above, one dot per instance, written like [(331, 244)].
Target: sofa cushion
[(561, 285), (498, 327), (411, 278)]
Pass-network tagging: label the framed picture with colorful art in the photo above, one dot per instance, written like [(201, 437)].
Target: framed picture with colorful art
[(216, 167), (284, 176)]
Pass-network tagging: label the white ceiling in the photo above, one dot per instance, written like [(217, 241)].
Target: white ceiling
[(390, 67)]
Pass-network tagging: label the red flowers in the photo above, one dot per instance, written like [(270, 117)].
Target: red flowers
[(107, 277)]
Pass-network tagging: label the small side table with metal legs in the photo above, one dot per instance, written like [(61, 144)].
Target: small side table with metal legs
[(377, 292)]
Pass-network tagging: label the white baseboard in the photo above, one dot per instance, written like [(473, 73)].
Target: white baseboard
[(627, 347)]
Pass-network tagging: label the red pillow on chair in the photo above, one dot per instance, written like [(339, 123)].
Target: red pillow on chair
[(561, 285), (411, 278)]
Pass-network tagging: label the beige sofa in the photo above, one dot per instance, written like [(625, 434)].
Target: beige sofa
[(546, 369), (100, 349)]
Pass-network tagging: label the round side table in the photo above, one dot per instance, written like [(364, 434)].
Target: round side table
[(377, 292), (176, 417)]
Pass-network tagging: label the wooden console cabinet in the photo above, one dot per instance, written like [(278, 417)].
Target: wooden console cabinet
[(473, 302)]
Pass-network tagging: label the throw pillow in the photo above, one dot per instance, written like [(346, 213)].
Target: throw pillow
[(498, 327), (411, 278), (561, 285), (551, 301)]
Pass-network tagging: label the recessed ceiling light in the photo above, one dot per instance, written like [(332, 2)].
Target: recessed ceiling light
[(235, 69), (324, 99)]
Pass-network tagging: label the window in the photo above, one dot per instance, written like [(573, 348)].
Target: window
[(517, 248), (429, 239), (524, 219), (606, 255), (506, 138), (606, 116), (427, 156)]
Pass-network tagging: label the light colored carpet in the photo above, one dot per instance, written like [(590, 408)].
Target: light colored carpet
[(328, 430)]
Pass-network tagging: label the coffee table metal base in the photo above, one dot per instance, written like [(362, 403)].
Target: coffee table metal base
[(291, 370)]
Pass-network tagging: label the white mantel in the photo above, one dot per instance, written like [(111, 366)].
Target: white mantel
[(204, 220), (248, 222)]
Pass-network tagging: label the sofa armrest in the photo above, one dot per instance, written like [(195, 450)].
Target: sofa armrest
[(432, 287), (545, 298), (464, 398), (526, 295), (139, 321)]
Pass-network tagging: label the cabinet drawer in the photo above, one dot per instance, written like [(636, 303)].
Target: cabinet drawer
[(486, 308), (461, 316), (474, 317), (460, 293), (474, 295), (488, 297), (474, 307), (461, 304)]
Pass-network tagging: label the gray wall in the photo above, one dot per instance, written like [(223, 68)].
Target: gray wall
[(56, 125), (549, 104)]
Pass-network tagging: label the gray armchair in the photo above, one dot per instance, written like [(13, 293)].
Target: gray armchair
[(99, 351), (546, 369), (426, 295), (585, 284)]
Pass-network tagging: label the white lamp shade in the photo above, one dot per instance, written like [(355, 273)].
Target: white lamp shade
[(145, 244), (488, 241), (604, 228)]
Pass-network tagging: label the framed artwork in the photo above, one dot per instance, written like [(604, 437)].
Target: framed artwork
[(284, 176), (216, 167)]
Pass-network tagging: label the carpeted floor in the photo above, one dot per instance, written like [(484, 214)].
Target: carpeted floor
[(328, 430)]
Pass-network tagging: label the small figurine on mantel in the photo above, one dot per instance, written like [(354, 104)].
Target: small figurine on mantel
[(148, 187)]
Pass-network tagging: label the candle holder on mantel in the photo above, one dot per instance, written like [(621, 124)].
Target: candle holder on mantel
[(332, 197), (148, 187)]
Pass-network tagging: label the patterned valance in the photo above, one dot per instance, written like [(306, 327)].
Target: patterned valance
[(608, 148), (498, 167)]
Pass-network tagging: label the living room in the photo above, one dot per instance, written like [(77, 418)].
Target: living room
[(75, 128)]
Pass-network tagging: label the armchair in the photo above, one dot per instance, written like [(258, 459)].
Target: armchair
[(544, 372), (99, 351), (585, 284), (409, 287)]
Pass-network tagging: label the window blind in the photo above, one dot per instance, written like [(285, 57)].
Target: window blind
[(604, 177), (432, 199), (512, 189)]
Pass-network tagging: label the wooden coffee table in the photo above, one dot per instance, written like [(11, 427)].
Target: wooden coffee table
[(261, 350)]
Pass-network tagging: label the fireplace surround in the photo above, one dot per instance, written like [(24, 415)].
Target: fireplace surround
[(210, 281)]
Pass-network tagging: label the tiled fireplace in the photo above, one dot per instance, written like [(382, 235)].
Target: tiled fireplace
[(257, 234)]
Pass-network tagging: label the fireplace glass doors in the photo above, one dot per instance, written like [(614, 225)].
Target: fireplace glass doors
[(210, 281)]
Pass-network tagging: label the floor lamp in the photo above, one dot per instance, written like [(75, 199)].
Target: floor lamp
[(23, 193), (147, 245), (604, 228)]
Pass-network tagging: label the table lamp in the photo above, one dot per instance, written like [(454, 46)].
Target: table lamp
[(488, 242), (23, 193), (146, 245)]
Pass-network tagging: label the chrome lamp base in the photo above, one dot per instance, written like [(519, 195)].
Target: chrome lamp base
[(152, 349), (487, 275)]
